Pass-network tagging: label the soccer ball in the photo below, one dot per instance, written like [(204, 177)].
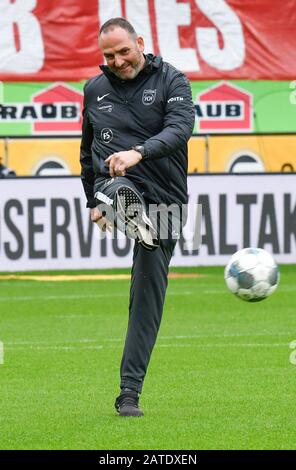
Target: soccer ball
[(251, 274)]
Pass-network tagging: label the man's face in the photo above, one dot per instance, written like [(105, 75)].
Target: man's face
[(123, 53)]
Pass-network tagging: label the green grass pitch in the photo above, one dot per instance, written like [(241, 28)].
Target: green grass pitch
[(220, 375)]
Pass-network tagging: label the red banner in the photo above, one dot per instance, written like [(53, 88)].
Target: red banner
[(54, 40)]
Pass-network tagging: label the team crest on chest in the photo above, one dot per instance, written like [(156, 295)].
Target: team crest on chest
[(148, 97)]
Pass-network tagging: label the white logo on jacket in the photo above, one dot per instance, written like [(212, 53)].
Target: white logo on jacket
[(106, 107), (106, 135), (99, 98), (148, 97), (175, 98)]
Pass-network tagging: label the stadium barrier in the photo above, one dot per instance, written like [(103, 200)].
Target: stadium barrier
[(45, 224), (232, 153)]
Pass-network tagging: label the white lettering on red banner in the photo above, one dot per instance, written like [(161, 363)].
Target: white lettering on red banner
[(21, 42), (184, 58), (206, 39), (232, 55)]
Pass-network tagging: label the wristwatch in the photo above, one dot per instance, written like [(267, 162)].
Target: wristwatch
[(141, 150)]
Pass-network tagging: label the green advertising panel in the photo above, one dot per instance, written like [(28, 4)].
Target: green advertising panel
[(244, 106), (221, 107), (41, 108)]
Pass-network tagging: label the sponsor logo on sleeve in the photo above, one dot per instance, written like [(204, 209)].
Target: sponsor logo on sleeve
[(175, 98)]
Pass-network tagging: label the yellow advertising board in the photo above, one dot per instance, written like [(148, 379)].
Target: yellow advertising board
[(196, 155), (213, 154), (243, 153), (43, 156), (2, 152)]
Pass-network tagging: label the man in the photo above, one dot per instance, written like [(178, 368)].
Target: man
[(138, 116)]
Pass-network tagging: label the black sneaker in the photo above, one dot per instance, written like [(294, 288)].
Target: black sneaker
[(131, 210), (127, 404)]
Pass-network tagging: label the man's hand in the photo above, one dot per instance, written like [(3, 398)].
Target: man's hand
[(119, 162), (98, 218)]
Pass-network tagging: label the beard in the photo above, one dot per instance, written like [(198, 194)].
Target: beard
[(130, 70)]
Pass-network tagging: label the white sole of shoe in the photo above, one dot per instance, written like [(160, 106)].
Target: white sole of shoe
[(130, 208)]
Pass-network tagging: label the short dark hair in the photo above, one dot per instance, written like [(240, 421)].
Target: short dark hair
[(119, 23)]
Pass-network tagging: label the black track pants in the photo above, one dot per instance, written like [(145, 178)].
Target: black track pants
[(147, 294)]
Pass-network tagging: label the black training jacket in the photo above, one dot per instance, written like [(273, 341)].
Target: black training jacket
[(155, 110)]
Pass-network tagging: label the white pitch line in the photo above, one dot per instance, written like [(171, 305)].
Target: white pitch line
[(228, 335), (58, 348), (78, 296), (160, 338), (173, 345), (35, 343), (223, 345), (199, 291), (58, 297), (98, 296)]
